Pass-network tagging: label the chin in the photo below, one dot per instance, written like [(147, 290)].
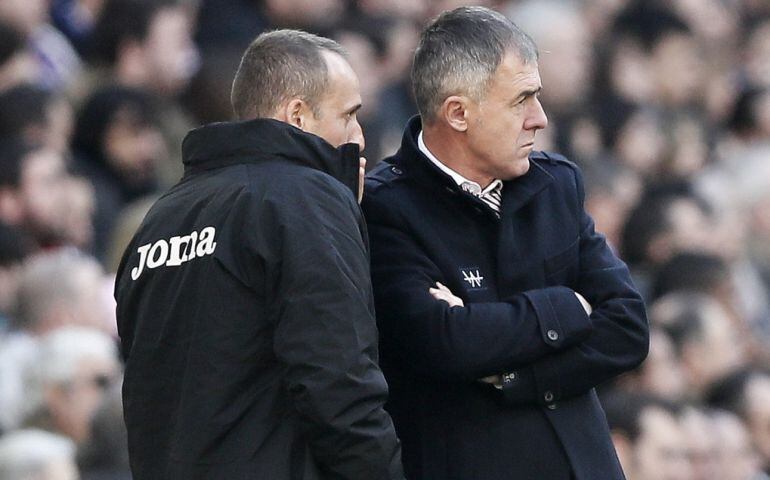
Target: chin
[(518, 168)]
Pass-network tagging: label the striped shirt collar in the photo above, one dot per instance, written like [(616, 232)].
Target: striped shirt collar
[(465, 184)]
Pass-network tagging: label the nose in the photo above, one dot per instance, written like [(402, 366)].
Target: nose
[(357, 135), (536, 118)]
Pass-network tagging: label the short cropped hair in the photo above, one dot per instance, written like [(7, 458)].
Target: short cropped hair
[(460, 51), (279, 65)]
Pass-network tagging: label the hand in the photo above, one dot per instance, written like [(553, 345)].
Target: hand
[(361, 175), (586, 306), (443, 293)]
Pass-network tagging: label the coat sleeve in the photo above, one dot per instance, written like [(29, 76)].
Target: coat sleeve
[(427, 337), (620, 338), (326, 334)]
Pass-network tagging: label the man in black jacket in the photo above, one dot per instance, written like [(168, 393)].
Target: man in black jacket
[(245, 308), (499, 306)]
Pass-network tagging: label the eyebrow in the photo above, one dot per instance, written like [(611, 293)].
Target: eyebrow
[(354, 109), (528, 93)]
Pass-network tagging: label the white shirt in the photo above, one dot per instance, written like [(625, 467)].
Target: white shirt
[(490, 195)]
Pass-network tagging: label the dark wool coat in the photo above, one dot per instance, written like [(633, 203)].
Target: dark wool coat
[(246, 317), (517, 276)]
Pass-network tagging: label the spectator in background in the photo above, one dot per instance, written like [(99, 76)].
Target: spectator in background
[(702, 443), (747, 394), (32, 190), (147, 45), (37, 116), (61, 288), (661, 374), (105, 455), (705, 341), (57, 62), (58, 289), (651, 443), (35, 454), (73, 369), (663, 222), (118, 146), (700, 272), (737, 458), (144, 44)]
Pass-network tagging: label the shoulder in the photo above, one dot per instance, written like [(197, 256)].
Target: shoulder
[(553, 161), (291, 183), (384, 186), (386, 174), (561, 168), (565, 172)]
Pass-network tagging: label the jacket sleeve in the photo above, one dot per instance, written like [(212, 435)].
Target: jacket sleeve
[(427, 337), (620, 338), (326, 333)]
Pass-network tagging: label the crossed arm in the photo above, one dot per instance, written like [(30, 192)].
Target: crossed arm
[(472, 341)]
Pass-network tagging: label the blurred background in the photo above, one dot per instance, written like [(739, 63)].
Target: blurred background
[(664, 104)]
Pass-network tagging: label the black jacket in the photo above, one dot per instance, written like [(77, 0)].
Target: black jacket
[(517, 277), (253, 355)]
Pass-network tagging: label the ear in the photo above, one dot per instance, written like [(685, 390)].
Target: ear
[(454, 110), (295, 112)]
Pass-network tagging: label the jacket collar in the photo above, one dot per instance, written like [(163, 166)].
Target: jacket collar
[(254, 141), (516, 192)]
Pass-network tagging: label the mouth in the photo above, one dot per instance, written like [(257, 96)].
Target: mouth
[(528, 145)]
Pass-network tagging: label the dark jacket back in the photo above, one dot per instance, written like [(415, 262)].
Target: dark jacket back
[(246, 317)]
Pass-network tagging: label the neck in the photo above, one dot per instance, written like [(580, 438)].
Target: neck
[(451, 148)]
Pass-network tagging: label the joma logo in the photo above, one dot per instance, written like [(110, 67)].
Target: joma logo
[(175, 251)]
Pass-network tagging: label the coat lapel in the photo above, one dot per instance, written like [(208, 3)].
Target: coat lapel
[(516, 194)]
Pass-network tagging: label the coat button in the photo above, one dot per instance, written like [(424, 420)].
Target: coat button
[(396, 170), (548, 396), (552, 335), (509, 377), (551, 406)]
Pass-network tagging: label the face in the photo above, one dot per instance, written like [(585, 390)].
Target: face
[(737, 458), (42, 188), (133, 147), (335, 119), (73, 404), (171, 51), (660, 451), (718, 352), (661, 373), (702, 444), (501, 127)]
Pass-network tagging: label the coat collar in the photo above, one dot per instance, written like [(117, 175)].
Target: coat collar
[(414, 164), (254, 141)]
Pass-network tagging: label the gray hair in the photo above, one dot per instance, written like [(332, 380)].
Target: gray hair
[(59, 355), (48, 280), (279, 65), (460, 51)]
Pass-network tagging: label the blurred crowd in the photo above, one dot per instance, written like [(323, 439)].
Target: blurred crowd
[(664, 104)]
